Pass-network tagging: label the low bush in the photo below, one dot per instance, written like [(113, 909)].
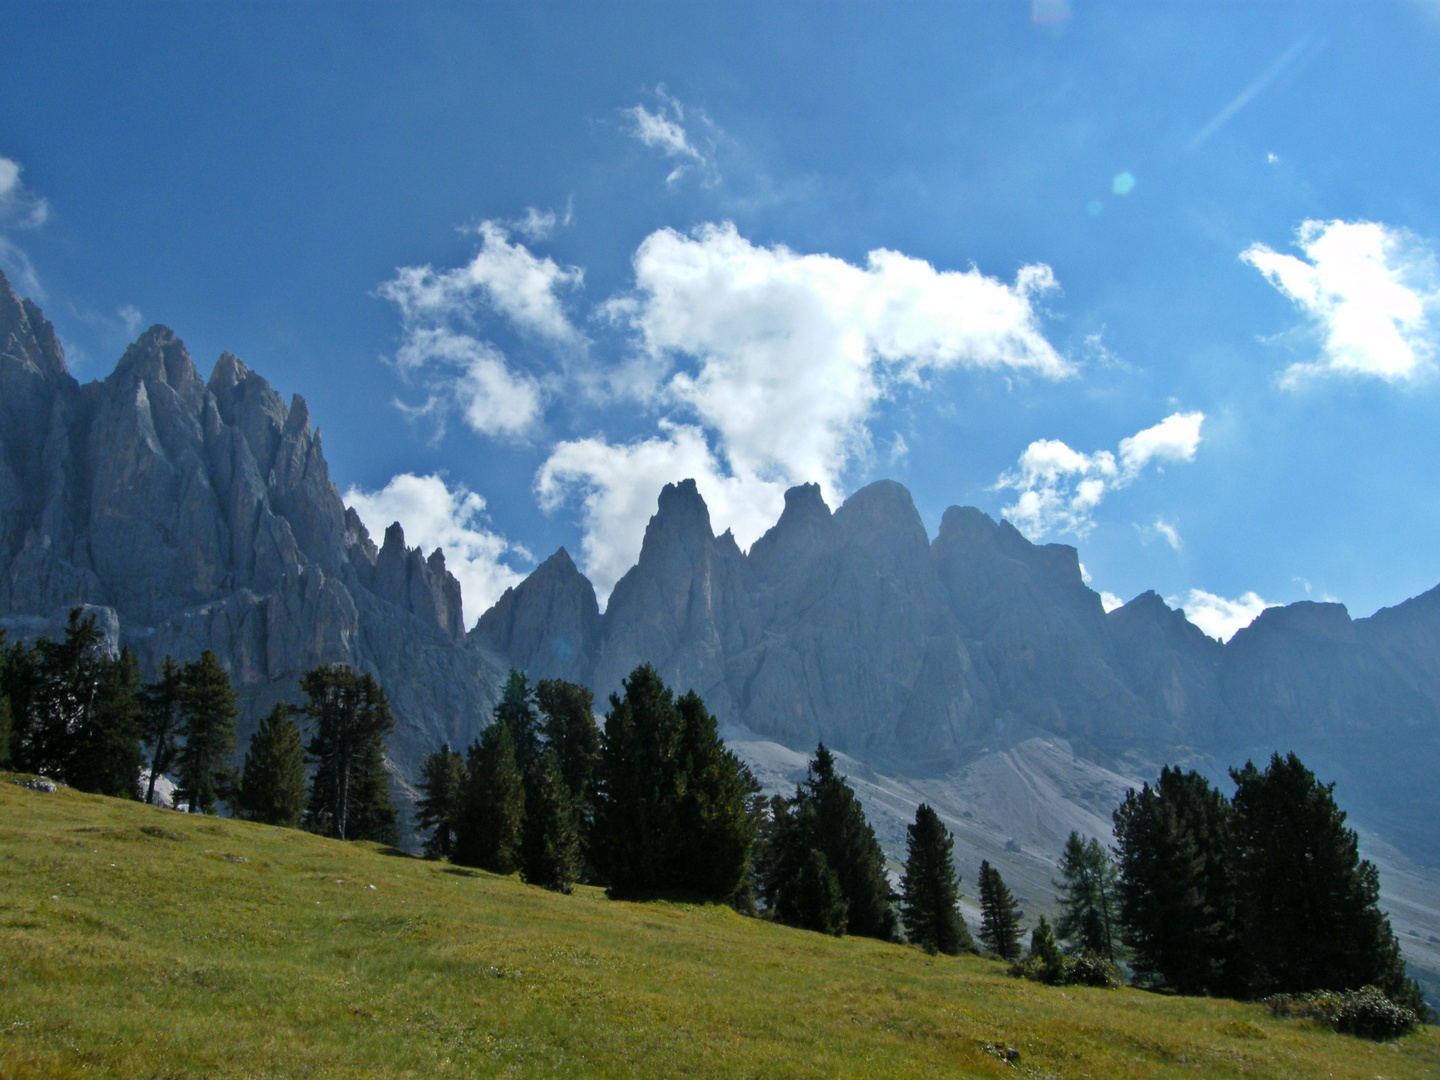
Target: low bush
[(1366, 1012)]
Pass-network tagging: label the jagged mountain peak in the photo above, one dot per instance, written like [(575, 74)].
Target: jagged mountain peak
[(26, 335)]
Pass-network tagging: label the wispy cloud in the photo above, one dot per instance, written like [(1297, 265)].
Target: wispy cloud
[(665, 130), (1371, 292), (1059, 488), (1242, 99), (20, 209), (1217, 616)]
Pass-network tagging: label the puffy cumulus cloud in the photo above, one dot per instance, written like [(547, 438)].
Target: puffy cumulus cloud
[(1217, 616), (433, 514), (1372, 293), (617, 486), (1059, 487), (438, 310), (775, 362), (1109, 601), (664, 130)]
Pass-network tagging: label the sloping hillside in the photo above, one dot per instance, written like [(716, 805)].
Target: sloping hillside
[(137, 942)]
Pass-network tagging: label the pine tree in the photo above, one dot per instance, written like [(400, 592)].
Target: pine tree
[(105, 754), (208, 712), (517, 712), (1045, 961), (160, 721), (826, 815), (1000, 928), (5, 721), (272, 782), (349, 790), (1088, 898), (442, 785), (672, 810), (51, 687), (490, 828), (929, 888), (1309, 904), (567, 720), (813, 899), (549, 848), (1176, 885)]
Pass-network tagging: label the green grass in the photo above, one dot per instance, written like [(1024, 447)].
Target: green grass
[(137, 942)]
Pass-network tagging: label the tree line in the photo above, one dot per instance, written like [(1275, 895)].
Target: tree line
[(1260, 894), (71, 711)]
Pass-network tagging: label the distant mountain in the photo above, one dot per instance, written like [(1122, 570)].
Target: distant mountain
[(197, 515), (200, 514)]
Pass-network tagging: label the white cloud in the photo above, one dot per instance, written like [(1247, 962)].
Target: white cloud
[(779, 359), (1370, 291), (664, 130), (537, 224), (19, 209), (1109, 601), (433, 514), (438, 309), (1217, 616), (618, 486), (1059, 488), (1166, 532), (130, 317)]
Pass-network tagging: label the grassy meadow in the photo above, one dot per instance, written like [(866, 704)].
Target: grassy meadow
[(137, 942)]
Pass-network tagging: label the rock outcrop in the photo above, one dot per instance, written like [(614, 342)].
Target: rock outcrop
[(202, 515)]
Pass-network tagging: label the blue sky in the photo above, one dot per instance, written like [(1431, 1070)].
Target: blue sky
[(1156, 280)]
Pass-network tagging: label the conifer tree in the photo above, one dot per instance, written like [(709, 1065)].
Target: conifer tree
[(1000, 928), (1176, 885), (672, 808), (5, 722), (51, 687), (1088, 898), (272, 781), (160, 720), (813, 899), (349, 790), (491, 824), (567, 720), (208, 712), (516, 711), (442, 786), (1045, 960), (549, 847), (826, 815), (105, 754), (929, 888), (1310, 905)]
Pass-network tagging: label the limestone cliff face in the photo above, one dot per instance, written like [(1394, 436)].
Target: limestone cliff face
[(203, 515)]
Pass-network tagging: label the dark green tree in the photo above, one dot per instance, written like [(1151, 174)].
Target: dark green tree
[(1088, 898), (349, 788), (1000, 928), (1176, 885), (812, 898), (105, 754), (517, 712), (272, 781), (825, 815), (160, 721), (5, 721), (492, 816), (549, 846), (51, 687), (207, 718), (672, 812), (1045, 962), (1310, 915), (930, 889), (442, 786), (567, 721)]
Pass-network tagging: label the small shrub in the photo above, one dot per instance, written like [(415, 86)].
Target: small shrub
[(1366, 1012)]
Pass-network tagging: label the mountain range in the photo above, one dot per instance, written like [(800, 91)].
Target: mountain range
[(190, 513)]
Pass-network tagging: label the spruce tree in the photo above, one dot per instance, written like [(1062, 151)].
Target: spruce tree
[(1088, 898), (1309, 904), (1000, 928), (826, 815), (1045, 961), (567, 720), (105, 756), (490, 828), (549, 847), (349, 795), (672, 810), (813, 899), (160, 720), (52, 689), (442, 786), (929, 888), (272, 781), (5, 722), (207, 718), (516, 711)]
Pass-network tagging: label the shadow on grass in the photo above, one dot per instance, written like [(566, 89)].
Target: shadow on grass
[(460, 871)]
